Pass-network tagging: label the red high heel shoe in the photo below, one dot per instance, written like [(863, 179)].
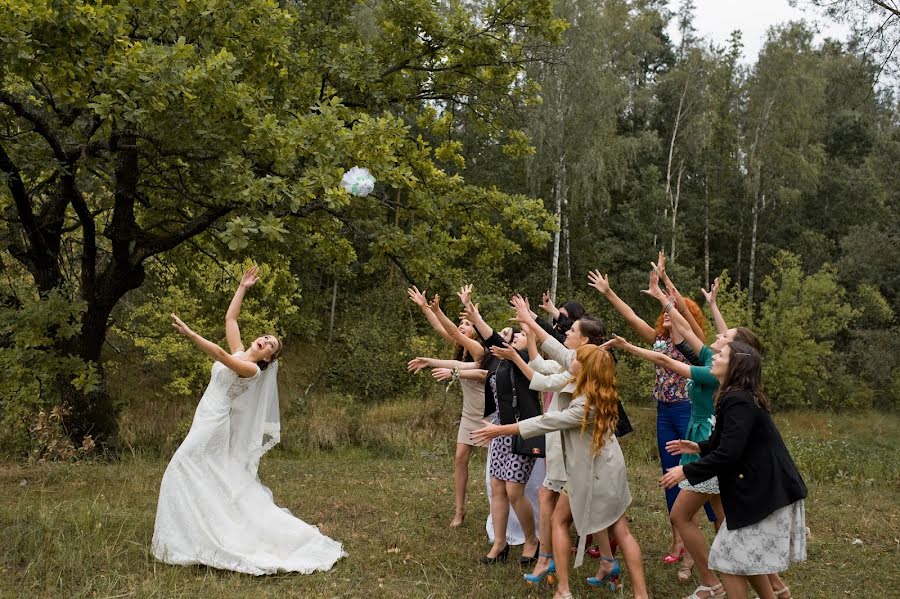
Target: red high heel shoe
[(594, 551), (671, 558), (587, 543)]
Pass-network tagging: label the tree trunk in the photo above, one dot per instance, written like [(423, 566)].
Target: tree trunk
[(554, 266), (670, 196), (706, 237), (675, 202), (752, 270), (333, 307)]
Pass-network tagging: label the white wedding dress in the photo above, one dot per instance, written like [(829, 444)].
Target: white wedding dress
[(213, 509)]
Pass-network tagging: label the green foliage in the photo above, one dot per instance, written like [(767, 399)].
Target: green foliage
[(799, 321), (199, 289), (30, 367)]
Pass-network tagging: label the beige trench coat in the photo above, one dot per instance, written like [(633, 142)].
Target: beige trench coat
[(550, 376), (597, 485)]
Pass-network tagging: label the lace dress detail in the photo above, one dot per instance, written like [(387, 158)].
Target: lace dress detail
[(213, 509)]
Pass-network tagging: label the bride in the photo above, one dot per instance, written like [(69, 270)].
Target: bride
[(213, 509)]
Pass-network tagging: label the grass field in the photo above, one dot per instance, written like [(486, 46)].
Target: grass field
[(83, 530)]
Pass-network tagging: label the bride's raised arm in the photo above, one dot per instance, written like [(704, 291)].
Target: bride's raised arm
[(241, 367), (232, 331)]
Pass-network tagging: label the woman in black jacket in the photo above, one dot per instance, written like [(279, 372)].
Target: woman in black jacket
[(762, 491), (507, 399)]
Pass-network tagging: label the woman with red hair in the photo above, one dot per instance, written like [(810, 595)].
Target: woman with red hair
[(597, 492), (671, 390)]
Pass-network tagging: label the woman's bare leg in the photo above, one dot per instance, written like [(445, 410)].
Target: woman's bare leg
[(687, 506), (461, 477), (520, 503), (499, 515), (546, 502), (631, 552), (562, 543)]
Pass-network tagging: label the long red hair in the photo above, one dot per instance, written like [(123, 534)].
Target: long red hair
[(597, 383), (695, 311)]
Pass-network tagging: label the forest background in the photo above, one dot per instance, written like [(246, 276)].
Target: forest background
[(149, 151)]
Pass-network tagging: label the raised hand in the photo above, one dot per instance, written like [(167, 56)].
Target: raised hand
[(417, 364), (680, 446), (661, 264), (465, 294), (435, 304), (442, 374), (250, 277), (547, 303), (523, 312), (598, 281), (653, 289), (417, 297), (179, 326), (471, 313), (713, 292), (504, 353)]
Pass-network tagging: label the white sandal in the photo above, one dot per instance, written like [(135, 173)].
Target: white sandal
[(716, 592), (786, 589)]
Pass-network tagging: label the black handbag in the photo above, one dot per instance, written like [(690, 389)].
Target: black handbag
[(533, 447), (623, 426)]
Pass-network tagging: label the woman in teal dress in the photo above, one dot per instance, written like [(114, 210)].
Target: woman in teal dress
[(701, 392)]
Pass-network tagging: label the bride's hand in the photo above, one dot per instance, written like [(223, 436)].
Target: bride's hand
[(250, 277), (179, 326)]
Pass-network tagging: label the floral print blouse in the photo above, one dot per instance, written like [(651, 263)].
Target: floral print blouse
[(670, 387)]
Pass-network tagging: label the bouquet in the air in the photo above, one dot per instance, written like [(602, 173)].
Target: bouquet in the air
[(358, 181)]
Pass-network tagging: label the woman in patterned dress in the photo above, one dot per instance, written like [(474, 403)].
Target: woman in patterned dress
[(673, 406)]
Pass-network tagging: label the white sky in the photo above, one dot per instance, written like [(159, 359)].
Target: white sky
[(716, 19)]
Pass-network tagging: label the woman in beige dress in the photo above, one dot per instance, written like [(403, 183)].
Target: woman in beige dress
[(465, 369), (597, 486)]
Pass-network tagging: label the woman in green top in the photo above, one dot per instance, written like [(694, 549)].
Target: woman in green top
[(701, 393)]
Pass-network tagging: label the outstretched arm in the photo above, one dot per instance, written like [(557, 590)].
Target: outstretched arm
[(601, 284), (680, 304), (419, 299), (472, 346), (548, 307), (680, 327), (474, 316), (526, 318), (508, 353), (417, 364), (232, 331), (241, 367), (711, 296), (658, 358)]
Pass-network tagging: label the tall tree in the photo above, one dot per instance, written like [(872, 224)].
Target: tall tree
[(131, 128)]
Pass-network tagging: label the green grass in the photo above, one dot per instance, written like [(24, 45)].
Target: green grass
[(83, 530)]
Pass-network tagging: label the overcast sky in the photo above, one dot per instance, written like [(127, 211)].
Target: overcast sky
[(716, 19)]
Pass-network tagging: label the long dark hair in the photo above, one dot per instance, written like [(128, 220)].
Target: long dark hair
[(744, 373), (574, 309), (745, 335)]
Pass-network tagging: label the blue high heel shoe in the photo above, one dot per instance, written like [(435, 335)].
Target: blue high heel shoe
[(611, 579), (549, 573)]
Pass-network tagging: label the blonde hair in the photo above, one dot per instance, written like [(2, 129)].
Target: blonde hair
[(597, 383)]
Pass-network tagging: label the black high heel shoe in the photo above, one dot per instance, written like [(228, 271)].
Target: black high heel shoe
[(526, 560), (501, 557)]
